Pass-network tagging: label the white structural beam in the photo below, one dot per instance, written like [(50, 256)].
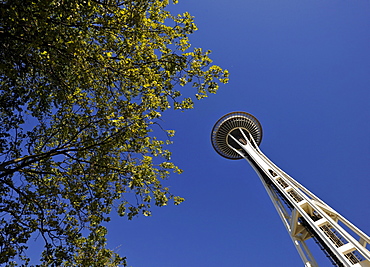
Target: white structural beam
[(303, 214)]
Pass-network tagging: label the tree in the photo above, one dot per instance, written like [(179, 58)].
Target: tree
[(83, 83)]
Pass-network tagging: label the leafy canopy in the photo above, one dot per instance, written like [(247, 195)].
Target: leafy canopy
[(82, 85)]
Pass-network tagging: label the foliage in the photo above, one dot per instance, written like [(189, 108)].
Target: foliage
[(82, 85)]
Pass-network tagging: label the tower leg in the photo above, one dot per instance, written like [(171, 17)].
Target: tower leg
[(303, 214), (299, 244)]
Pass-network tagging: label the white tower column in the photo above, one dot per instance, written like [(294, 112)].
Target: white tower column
[(236, 136)]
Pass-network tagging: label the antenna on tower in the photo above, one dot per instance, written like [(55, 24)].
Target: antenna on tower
[(238, 135)]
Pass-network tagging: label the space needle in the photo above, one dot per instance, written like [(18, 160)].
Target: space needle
[(237, 135)]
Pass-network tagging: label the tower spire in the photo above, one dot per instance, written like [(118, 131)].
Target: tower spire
[(237, 135)]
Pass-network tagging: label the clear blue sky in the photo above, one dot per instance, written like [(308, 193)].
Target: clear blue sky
[(303, 69)]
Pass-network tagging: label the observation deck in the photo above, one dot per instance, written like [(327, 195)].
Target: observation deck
[(230, 124)]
